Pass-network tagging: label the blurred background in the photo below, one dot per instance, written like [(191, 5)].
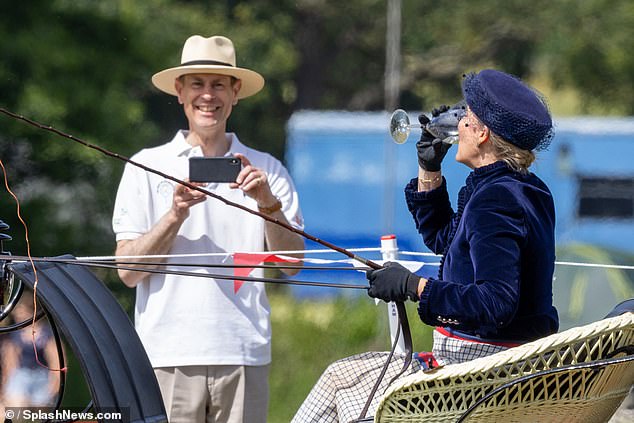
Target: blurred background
[(334, 72)]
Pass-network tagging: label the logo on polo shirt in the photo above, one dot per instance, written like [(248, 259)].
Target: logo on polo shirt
[(165, 190)]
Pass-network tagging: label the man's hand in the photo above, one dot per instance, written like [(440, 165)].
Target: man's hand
[(254, 183), (184, 198), (431, 151), (393, 282)]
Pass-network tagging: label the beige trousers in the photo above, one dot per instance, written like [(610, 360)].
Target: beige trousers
[(214, 394)]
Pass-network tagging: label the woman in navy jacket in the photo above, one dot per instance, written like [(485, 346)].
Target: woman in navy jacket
[(494, 287), (495, 280)]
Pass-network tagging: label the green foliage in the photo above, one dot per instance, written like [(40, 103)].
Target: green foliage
[(589, 50)]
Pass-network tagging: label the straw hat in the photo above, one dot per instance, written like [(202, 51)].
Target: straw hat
[(209, 55)]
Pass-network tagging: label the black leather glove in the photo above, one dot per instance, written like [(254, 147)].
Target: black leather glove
[(393, 282), (431, 150), (438, 110)]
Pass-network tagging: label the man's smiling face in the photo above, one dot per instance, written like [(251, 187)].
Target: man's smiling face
[(207, 99)]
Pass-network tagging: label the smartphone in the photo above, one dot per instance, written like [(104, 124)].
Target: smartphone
[(214, 169)]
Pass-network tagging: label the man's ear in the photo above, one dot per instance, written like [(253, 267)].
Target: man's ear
[(236, 89), (178, 86)]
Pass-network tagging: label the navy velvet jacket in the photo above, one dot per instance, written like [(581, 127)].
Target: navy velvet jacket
[(495, 279)]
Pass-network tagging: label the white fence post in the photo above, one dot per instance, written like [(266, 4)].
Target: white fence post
[(389, 251)]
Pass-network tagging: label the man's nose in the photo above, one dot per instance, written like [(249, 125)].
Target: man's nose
[(209, 91)]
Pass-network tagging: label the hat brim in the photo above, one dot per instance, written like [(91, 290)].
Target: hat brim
[(252, 82)]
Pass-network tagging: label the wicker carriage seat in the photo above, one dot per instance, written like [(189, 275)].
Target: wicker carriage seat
[(581, 374)]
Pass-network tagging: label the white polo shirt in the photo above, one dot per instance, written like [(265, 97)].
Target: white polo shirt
[(196, 321)]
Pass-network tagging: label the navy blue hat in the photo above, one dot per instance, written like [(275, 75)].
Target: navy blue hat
[(509, 108)]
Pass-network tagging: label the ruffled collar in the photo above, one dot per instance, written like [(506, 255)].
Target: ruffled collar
[(481, 173)]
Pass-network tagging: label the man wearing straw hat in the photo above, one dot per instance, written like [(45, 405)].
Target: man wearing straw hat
[(208, 339)]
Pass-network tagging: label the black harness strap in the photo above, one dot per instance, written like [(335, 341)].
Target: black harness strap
[(407, 340)]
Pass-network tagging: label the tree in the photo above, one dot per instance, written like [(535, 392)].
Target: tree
[(589, 51)]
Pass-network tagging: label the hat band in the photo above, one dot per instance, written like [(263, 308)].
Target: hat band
[(206, 62)]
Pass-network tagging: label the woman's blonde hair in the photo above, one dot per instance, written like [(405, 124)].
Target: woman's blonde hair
[(516, 158)]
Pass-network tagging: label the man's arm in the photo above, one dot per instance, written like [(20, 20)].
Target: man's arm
[(159, 239), (254, 183), (280, 239)]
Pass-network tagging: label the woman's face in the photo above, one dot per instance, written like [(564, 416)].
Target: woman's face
[(470, 134)]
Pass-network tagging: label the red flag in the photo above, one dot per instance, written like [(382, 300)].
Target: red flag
[(254, 259)]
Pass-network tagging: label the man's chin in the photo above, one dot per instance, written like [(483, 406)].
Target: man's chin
[(209, 123)]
